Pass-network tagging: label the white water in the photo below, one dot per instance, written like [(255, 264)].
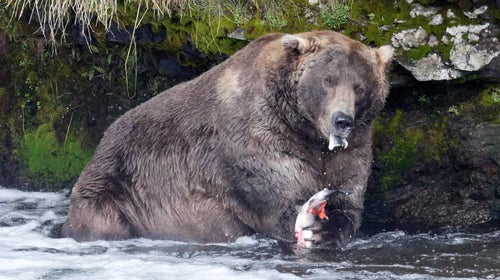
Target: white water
[(27, 252)]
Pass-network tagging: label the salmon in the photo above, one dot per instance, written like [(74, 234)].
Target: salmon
[(307, 213)]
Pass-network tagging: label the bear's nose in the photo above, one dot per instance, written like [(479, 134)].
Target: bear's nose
[(342, 121)]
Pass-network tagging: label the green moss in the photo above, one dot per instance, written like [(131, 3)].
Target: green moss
[(486, 106), (490, 96), (209, 35), (377, 21), (374, 20), (50, 161), (402, 152), (394, 123), (418, 53), (494, 13), (437, 142), (426, 2), (399, 145), (401, 157)]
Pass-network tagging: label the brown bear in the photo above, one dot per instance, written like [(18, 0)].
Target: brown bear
[(235, 150)]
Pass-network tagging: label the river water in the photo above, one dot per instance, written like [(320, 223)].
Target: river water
[(28, 252)]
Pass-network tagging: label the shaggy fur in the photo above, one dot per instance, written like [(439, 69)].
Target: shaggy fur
[(233, 151)]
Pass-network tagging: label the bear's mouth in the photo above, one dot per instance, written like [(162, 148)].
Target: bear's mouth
[(337, 141)]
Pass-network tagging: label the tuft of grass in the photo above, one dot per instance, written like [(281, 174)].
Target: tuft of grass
[(337, 13), (55, 15)]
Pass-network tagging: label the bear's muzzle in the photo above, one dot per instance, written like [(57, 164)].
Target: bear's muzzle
[(342, 124)]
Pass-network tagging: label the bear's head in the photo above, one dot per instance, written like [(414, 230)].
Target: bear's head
[(338, 83)]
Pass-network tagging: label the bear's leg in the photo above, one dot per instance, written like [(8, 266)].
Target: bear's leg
[(91, 220)]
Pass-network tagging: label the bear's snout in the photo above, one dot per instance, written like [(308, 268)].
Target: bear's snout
[(342, 122)]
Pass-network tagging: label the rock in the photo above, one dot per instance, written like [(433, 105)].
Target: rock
[(476, 13), (143, 34), (431, 68), (160, 36), (457, 32), (419, 10), (492, 70), (433, 41), (116, 34), (81, 34), (410, 38), (169, 67), (472, 55), (469, 58), (474, 47), (238, 34), (437, 20), (462, 189), (488, 137), (9, 166), (450, 14)]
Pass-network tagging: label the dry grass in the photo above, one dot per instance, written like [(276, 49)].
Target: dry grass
[(54, 15)]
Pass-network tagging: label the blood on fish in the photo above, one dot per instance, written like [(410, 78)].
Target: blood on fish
[(319, 211)]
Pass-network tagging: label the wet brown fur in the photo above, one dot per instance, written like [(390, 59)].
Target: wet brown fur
[(233, 151)]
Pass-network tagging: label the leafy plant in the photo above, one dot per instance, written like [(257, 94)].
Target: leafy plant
[(453, 109), (490, 96), (241, 15), (495, 95), (337, 13), (276, 22)]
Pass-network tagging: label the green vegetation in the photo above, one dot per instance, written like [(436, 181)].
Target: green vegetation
[(206, 21), (47, 100), (337, 13), (490, 96), (48, 97), (403, 152), (50, 161), (400, 158), (400, 145), (483, 108)]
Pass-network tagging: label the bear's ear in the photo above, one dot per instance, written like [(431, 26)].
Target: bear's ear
[(385, 55), (297, 44)]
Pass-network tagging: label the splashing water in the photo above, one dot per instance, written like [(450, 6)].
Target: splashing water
[(28, 252)]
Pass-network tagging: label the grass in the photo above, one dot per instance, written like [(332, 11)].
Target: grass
[(54, 16), (337, 13)]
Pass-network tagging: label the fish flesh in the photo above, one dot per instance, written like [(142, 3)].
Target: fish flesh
[(337, 141)]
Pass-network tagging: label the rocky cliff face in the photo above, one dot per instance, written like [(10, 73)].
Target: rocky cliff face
[(448, 173), (466, 48), (437, 142), (451, 176)]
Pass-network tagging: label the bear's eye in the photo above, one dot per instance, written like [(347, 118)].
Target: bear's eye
[(328, 81), (360, 91)]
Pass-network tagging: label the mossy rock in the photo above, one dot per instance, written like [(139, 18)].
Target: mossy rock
[(50, 161)]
